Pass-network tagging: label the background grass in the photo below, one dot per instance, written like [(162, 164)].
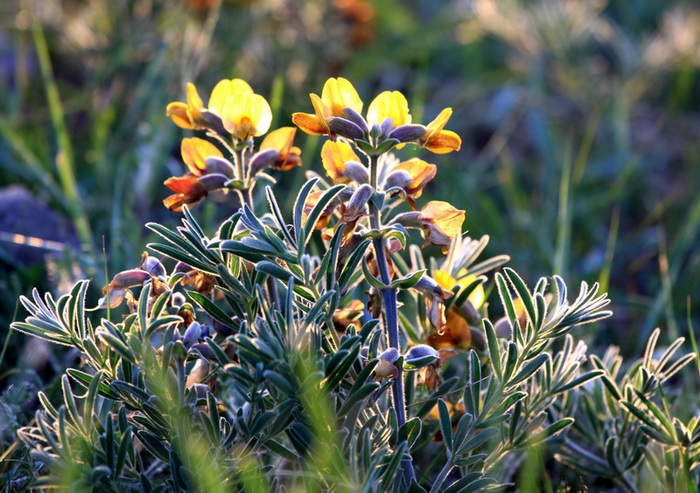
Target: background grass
[(579, 122)]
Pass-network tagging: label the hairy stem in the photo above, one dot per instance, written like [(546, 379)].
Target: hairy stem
[(391, 318)]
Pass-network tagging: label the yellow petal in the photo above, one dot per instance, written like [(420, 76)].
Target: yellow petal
[(338, 94), (389, 105), (280, 140), (443, 142), (193, 100), (246, 116), (444, 279), (180, 115), (225, 89), (334, 156), (439, 123), (195, 151)]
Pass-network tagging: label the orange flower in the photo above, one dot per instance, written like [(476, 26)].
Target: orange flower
[(440, 222), (438, 140), (188, 190), (334, 156), (337, 94), (281, 141), (188, 115), (194, 153)]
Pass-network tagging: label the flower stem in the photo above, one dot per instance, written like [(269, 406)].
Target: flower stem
[(391, 319)]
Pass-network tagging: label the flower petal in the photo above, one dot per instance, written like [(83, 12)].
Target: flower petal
[(308, 124), (338, 94), (389, 105), (179, 113), (443, 142), (246, 116), (224, 90)]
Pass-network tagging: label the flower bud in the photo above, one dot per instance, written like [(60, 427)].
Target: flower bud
[(420, 356), (220, 165), (152, 265), (263, 159), (387, 125), (192, 334), (345, 128), (408, 219), (391, 355), (223, 329), (399, 178), (182, 268), (375, 131), (213, 121), (213, 181), (204, 350), (407, 133), (356, 118), (356, 172), (356, 205), (129, 278)]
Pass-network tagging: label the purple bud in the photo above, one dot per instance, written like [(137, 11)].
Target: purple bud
[(217, 164), (399, 178), (263, 159), (153, 266), (391, 355), (407, 133), (420, 356), (204, 349), (357, 202), (129, 278), (386, 125), (345, 128), (192, 334), (213, 121), (356, 172), (182, 268), (213, 181), (356, 118)]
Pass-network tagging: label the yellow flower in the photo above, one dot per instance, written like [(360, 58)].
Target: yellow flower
[(195, 152), (389, 104), (421, 173), (246, 115), (440, 222), (337, 94), (334, 156), (188, 115), (281, 141), (438, 140), (224, 90)]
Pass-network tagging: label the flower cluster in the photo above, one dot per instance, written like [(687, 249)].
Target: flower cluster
[(232, 118)]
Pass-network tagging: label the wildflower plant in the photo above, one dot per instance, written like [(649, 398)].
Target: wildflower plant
[(320, 348)]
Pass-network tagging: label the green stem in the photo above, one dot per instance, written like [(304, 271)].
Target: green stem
[(390, 312), (442, 475)]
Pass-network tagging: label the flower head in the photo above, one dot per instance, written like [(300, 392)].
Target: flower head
[(440, 222), (438, 140), (337, 95)]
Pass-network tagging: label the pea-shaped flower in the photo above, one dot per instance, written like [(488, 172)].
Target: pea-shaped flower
[(246, 116), (440, 222)]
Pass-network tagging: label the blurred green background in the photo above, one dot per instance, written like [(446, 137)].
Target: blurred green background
[(579, 122)]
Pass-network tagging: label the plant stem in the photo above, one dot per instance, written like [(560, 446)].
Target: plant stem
[(443, 474), (391, 319)]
